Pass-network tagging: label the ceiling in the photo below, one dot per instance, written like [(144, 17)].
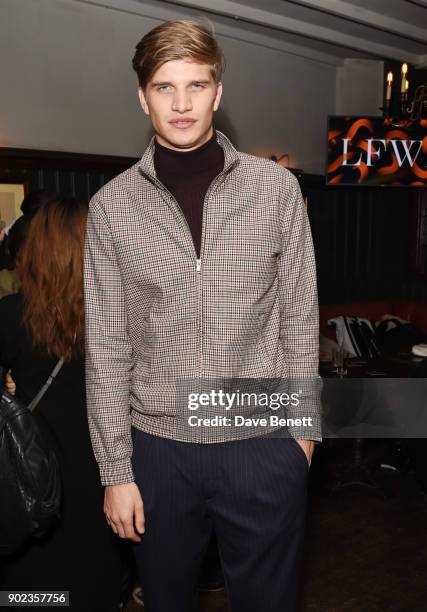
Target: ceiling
[(334, 29)]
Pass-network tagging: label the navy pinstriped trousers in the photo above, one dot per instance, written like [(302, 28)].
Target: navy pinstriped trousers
[(252, 492)]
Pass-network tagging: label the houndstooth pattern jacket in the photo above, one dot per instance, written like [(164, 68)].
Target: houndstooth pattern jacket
[(155, 313)]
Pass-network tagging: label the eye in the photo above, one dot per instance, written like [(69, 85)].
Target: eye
[(197, 86), (164, 88)]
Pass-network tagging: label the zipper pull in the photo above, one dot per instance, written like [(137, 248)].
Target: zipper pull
[(199, 265)]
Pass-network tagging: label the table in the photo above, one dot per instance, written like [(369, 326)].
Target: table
[(382, 398)]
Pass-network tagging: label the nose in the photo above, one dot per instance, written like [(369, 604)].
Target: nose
[(182, 101)]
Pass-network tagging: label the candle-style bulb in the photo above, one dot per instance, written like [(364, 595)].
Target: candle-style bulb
[(403, 81), (406, 85), (388, 88)]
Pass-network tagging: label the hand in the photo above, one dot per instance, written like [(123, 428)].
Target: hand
[(124, 510), (308, 447), (10, 383)]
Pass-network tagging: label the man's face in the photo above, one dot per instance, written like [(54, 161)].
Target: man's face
[(180, 100)]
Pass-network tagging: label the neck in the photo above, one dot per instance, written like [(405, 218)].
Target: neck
[(202, 159)]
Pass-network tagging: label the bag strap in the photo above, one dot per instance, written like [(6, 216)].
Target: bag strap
[(46, 386)]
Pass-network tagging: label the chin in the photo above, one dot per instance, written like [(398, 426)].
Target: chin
[(183, 140)]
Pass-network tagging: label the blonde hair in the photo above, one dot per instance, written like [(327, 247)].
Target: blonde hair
[(176, 40)]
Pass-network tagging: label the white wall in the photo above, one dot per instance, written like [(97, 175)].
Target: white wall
[(359, 87), (279, 103), (67, 84)]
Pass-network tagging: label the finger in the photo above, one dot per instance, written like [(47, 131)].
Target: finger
[(120, 529), (139, 518), (112, 525), (116, 525), (129, 531), (10, 383), (127, 525)]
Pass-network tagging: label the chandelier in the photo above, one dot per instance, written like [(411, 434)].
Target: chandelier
[(411, 111)]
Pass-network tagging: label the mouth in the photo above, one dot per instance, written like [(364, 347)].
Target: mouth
[(183, 123)]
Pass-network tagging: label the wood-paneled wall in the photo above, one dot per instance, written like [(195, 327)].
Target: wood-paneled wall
[(371, 243), (70, 174)]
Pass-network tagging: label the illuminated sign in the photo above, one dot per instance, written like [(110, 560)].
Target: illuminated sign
[(375, 151)]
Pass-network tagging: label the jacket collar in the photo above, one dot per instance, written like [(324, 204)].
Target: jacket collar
[(231, 156)]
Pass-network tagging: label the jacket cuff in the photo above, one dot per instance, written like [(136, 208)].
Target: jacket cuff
[(306, 436), (116, 472)]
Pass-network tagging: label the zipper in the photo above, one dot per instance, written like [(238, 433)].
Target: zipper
[(216, 181), (178, 211), (199, 313)]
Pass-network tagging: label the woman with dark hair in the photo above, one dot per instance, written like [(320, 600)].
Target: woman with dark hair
[(34, 200), (41, 323)]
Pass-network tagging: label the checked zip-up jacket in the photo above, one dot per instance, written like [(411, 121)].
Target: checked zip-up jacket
[(155, 313)]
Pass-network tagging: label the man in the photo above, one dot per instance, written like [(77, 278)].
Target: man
[(199, 264)]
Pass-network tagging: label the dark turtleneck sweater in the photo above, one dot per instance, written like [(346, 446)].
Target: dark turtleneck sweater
[(187, 175)]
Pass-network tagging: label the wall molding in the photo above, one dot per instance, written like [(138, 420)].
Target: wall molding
[(162, 12)]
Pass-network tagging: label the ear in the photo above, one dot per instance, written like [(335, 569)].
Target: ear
[(218, 96), (143, 101)]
